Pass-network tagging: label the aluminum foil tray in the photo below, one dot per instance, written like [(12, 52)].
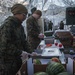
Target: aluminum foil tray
[(51, 52)]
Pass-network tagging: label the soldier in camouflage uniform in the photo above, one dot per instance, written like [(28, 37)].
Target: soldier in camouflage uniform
[(13, 41), (33, 29), (50, 25), (61, 25)]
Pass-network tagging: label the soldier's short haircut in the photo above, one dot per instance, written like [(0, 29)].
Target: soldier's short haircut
[(38, 12)]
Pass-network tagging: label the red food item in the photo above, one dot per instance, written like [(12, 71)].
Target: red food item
[(48, 45), (60, 45), (56, 44), (55, 59)]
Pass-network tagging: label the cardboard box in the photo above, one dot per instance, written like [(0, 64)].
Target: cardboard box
[(65, 37), (23, 69), (73, 41), (42, 68)]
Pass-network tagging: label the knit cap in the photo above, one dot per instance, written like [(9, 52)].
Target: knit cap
[(19, 8)]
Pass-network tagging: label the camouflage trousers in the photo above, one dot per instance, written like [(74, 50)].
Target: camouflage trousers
[(10, 67)]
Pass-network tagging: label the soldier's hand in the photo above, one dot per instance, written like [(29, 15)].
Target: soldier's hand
[(24, 55), (34, 54), (41, 35)]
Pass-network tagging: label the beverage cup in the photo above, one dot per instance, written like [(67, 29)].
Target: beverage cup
[(60, 45), (56, 44)]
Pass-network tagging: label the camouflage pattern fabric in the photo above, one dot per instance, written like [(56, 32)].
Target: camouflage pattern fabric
[(12, 42), (33, 30), (50, 25), (61, 25), (9, 66), (45, 26)]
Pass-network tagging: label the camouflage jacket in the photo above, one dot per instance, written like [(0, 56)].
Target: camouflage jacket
[(50, 25), (12, 37), (61, 25), (33, 30)]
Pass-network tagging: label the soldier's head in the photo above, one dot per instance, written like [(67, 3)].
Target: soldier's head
[(19, 11), (37, 14), (61, 21)]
